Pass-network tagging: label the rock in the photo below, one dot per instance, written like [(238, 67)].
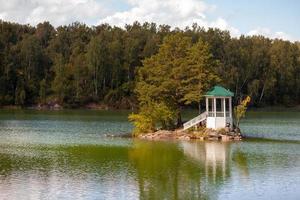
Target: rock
[(226, 137), (227, 129), (200, 138), (193, 137), (237, 138), (184, 137), (206, 134), (187, 137), (57, 107), (213, 138), (231, 133)]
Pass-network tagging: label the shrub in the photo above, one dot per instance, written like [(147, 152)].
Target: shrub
[(151, 116)]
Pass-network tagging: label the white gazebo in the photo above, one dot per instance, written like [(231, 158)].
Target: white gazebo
[(218, 108), (218, 112)]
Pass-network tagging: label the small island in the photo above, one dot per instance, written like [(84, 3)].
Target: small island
[(215, 123)]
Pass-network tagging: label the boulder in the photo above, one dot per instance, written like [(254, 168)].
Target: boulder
[(226, 137)]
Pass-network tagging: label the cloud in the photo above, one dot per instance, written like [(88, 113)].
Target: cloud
[(223, 25), (173, 12), (271, 34), (58, 12), (176, 13)]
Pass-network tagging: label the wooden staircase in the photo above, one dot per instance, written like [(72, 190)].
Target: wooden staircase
[(195, 121)]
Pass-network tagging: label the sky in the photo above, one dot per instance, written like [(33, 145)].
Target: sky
[(271, 18)]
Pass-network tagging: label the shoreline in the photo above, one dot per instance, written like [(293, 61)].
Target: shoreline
[(103, 106), (202, 135), (58, 107)]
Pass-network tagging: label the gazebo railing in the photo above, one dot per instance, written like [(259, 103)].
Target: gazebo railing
[(218, 114), (211, 114), (195, 121)]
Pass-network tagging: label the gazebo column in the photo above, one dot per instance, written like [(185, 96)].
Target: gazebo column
[(224, 110), (224, 105), (215, 107), (230, 107)]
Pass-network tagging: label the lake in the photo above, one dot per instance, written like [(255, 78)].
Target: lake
[(72, 154)]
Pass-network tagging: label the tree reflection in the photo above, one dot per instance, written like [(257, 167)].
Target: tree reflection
[(182, 170), (241, 161)]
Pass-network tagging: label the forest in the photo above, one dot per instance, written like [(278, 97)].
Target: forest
[(76, 64)]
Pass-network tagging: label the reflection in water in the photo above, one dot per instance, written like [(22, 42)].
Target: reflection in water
[(241, 162), (167, 172), (149, 170), (214, 156), (215, 159), (83, 172)]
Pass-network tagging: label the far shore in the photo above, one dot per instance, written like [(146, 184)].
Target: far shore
[(56, 107), (103, 106)]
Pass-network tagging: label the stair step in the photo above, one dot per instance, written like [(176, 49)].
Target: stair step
[(195, 121)]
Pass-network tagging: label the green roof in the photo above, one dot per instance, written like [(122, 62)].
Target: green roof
[(219, 91)]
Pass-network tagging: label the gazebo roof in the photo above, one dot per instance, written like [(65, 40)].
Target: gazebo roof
[(219, 91)]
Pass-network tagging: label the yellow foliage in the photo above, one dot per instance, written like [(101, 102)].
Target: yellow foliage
[(240, 110), (246, 101)]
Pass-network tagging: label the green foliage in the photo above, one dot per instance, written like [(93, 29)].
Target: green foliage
[(152, 116), (142, 123), (20, 96), (198, 74), (178, 74), (82, 64), (59, 82), (43, 91)]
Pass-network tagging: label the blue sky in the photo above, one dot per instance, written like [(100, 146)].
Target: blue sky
[(276, 15), (272, 18)]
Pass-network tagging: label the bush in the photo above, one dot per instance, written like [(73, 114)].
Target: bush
[(142, 124), (152, 116)]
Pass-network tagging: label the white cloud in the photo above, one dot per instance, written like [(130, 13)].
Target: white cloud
[(271, 34), (58, 12), (223, 25), (176, 13), (173, 12)]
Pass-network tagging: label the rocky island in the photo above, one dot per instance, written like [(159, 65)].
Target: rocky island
[(224, 134)]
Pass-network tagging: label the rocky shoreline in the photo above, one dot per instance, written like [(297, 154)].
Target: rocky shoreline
[(202, 135)]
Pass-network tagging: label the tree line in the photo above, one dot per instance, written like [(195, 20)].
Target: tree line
[(76, 64)]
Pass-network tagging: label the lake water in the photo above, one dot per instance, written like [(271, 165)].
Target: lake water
[(72, 155)]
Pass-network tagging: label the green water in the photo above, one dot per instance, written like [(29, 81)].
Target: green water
[(68, 155)]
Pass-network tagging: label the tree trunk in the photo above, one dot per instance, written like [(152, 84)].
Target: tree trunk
[(96, 81), (262, 93), (179, 119), (104, 83)]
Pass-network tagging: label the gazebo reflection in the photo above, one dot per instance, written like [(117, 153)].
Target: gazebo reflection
[(214, 156)]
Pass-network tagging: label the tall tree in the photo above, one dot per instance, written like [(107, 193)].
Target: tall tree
[(175, 75), (97, 59)]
